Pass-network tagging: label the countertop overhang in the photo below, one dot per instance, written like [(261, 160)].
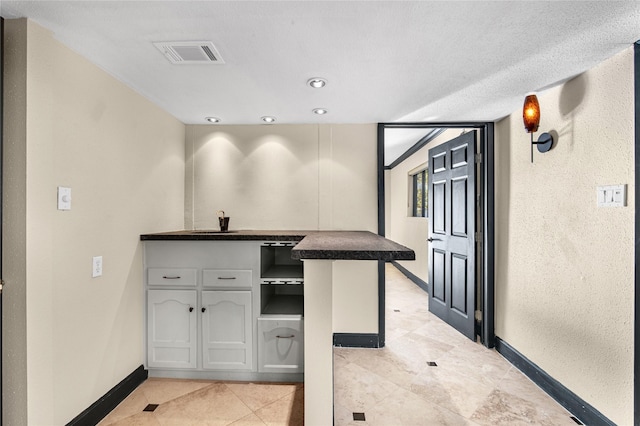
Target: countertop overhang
[(313, 245), (350, 245)]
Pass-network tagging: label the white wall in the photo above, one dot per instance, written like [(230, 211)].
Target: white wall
[(262, 177), (69, 338), (301, 177), (564, 267)]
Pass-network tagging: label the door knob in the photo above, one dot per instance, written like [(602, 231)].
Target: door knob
[(433, 239)]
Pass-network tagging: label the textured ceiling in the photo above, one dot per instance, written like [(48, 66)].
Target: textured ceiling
[(385, 61)]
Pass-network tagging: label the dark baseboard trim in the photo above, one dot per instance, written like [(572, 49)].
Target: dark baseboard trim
[(103, 406), (569, 400), (356, 340), (416, 280)]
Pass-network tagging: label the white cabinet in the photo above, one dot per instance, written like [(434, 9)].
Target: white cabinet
[(171, 328), (280, 345), (221, 310), (227, 330)]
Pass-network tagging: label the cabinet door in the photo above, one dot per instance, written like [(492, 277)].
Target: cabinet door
[(171, 328), (227, 330), (280, 345)]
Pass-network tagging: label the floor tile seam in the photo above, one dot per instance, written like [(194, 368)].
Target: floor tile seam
[(433, 404), (238, 397), (265, 405), (380, 378), (479, 405), (129, 397), (392, 357), (123, 418), (149, 401), (472, 380), (211, 384), (480, 380), (444, 339), (253, 413), (467, 418), (412, 373), (510, 370), (272, 403)]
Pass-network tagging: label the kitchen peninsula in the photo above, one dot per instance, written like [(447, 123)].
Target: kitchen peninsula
[(317, 250)]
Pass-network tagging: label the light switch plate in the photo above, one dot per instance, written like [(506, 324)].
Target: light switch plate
[(612, 196), (97, 266), (64, 198)]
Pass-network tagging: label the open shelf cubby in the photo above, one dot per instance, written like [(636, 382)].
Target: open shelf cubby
[(282, 289), (276, 262), (282, 299)]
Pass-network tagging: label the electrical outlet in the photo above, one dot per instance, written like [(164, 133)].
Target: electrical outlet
[(97, 266)]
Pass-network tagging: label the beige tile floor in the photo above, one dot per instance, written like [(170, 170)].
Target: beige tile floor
[(470, 385), (201, 402), (393, 386)]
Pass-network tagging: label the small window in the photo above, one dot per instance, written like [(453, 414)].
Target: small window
[(419, 194)]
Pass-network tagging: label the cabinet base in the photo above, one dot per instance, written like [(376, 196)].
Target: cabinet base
[(241, 376), (356, 340)]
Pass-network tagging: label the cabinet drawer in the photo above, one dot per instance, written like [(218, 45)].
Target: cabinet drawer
[(228, 278), (281, 345), (171, 276)]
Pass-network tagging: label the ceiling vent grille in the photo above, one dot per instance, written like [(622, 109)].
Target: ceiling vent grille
[(190, 52)]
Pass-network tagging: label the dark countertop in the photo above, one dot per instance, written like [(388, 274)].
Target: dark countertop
[(215, 235), (330, 245), (350, 245)]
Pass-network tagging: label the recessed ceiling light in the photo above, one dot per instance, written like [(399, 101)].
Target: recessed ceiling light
[(268, 119), (212, 119), (317, 82), (320, 111)]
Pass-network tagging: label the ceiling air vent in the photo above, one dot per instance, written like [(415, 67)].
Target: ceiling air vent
[(190, 52)]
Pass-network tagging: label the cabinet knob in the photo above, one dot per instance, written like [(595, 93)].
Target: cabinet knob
[(285, 337), (190, 308), (171, 277), (204, 309)]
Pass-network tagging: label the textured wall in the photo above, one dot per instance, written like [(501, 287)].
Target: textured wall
[(564, 267), (124, 160)]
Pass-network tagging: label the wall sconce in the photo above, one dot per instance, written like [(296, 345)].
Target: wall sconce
[(531, 118)]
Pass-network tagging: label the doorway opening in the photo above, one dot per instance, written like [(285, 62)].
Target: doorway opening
[(403, 146)]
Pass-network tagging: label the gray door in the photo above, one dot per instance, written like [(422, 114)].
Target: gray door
[(452, 219)]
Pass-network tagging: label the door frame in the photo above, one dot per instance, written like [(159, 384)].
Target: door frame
[(486, 227), (636, 354), (1, 197)]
